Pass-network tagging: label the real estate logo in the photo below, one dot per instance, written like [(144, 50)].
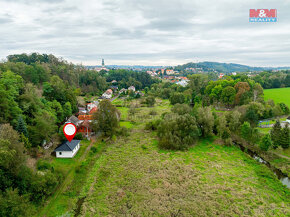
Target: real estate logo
[(263, 15)]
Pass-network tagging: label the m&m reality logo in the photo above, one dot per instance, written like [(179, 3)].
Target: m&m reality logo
[(263, 15)]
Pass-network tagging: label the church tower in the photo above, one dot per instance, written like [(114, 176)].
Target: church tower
[(103, 63)]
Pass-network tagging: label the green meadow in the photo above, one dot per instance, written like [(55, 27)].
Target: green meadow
[(133, 177), (278, 95)]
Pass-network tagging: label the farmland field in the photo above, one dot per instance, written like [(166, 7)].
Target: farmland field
[(278, 95), (135, 178)]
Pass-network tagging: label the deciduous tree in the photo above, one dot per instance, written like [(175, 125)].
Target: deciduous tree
[(106, 119)]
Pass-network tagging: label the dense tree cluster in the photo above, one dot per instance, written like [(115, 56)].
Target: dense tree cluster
[(125, 78), (240, 95), (20, 185), (273, 79)]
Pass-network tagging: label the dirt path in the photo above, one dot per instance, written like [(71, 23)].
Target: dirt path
[(282, 156)]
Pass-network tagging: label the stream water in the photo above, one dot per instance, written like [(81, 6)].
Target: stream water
[(281, 176)]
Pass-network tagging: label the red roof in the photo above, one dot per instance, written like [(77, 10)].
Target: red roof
[(85, 117), (93, 110)]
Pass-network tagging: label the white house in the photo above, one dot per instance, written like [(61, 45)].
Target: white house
[(132, 88), (92, 105), (67, 149), (108, 94), (183, 83)]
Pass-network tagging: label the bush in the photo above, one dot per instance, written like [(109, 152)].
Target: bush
[(44, 165), (79, 136), (152, 125), (153, 112), (94, 149), (266, 142), (284, 108), (178, 132), (181, 109), (150, 101), (81, 167), (177, 98), (122, 131)]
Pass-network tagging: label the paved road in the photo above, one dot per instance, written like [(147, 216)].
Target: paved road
[(114, 98)]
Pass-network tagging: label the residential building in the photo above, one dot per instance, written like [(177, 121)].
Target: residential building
[(108, 94), (92, 105), (183, 83), (132, 88), (221, 75), (122, 90), (169, 72), (67, 149), (74, 120), (85, 129)]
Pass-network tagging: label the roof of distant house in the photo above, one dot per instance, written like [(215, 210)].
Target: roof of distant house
[(85, 117), (109, 91), (86, 123), (73, 119), (93, 110), (68, 146)]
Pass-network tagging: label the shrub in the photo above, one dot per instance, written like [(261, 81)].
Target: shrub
[(44, 165), (181, 109), (94, 149), (152, 125), (152, 112), (266, 142), (177, 98), (79, 136), (150, 101), (122, 131), (178, 132)]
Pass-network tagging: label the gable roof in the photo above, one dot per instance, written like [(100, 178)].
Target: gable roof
[(86, 124), (93, 110), (68, 146), (73, 119), (85, 117)]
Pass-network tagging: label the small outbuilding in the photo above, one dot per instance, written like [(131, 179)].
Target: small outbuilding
[(67, 149), (288, 120)]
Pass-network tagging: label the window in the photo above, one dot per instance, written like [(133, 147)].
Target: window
[(59, 153)]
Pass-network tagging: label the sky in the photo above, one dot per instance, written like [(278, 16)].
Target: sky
[(146, 32)]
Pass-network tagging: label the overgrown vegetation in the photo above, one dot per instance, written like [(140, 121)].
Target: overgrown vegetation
[(136, 177)]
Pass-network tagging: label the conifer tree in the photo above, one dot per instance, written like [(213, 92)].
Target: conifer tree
[(266, 142), (285, 137), (21, 126), (246, 130), (276, 134)]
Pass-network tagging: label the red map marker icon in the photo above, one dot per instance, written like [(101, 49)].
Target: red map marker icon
[(69, 131)]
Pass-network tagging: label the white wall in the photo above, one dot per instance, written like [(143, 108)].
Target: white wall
[(68, 154)]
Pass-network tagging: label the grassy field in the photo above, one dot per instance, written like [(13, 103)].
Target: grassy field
[(135, 178), (278, 95), (63, 201)]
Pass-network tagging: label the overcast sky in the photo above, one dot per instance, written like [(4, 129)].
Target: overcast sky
[(146, 32)]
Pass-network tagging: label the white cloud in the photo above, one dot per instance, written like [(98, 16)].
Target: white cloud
[(148, 32)]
